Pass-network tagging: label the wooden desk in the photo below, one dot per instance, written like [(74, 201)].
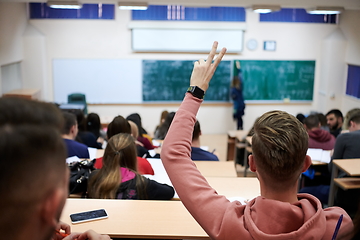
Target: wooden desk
[(217, 142), (136, 219), (216, 169), (207, 168), (24, 93), (247, 188), (352, 168), (234, 142)]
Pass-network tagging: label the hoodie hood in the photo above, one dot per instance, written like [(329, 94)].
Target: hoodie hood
[(320, 135), (288, 221)]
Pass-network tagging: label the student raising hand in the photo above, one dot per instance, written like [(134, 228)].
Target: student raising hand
[(204, 70)]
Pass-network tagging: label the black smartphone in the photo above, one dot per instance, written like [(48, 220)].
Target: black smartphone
[(88, 216)]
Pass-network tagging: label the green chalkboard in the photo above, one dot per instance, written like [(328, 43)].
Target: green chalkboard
[(165, 80), (277, 80)]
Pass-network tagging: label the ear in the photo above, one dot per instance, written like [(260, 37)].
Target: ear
[(252, 164), (200, 133), (352, 124), (73, 128), (51, 207), (307, 163)]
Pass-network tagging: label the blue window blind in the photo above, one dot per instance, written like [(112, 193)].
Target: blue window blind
[(88, 11), (297, 15), (181, 13), (353, 81)]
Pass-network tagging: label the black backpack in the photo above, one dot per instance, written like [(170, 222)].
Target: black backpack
[(79, 175)]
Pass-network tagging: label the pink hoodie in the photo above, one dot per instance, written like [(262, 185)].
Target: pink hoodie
[(261, 218)]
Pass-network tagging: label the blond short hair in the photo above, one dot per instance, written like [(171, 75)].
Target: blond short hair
[(279, 144)]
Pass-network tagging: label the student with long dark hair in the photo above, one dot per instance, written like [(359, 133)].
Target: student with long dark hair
[(118, 178), (164, 127)]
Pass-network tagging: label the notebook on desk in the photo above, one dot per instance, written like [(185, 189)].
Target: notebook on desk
[(319, 155)]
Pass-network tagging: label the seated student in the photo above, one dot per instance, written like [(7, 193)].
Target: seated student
[(162, 119), (318, 138), (34, 180), (119, 179), (348, 115), (323, 122), (69, 133), (316, 179), (93, 125), (163, 129), (347, 147), (335, 121), (121, 125), (196, 152), (141, 150), (84, 136), (143, 137), (279, 145)]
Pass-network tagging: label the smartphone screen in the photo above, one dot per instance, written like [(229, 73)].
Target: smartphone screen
[(88, 216)]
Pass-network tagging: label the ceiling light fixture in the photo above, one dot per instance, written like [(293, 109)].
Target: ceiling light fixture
[(133, 5), (64, 4), (325, 10), (265, 8)]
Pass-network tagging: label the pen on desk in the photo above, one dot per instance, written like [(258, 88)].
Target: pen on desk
[(337, 227), (213, 150)]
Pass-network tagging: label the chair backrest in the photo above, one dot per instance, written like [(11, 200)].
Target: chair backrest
[(78, 98)]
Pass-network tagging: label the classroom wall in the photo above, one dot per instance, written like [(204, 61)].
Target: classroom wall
[(350, 27), (111, 39), (13, 20)]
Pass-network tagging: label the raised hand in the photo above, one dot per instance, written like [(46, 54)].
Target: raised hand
[(204, 70)]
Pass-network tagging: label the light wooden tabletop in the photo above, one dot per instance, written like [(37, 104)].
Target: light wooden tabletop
[(350, 166), (207, 168), (217, 143), (239, 134), (154, 219), (245, 187), (136, 219), (216, 168)]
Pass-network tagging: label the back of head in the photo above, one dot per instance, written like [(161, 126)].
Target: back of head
[(118, 125), (322, 119), (337, 113), (80, 119), (354, 118), (135, 117), (169, 118), (134, 129), (119, 152), (32, 157), (196, 131), (300, 117), (279, 144), (69, 122), (93, 124), (13, 110), (312, 121), (349, 114), (163, 116), (164, 127)]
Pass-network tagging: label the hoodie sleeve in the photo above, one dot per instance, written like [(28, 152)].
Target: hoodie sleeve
[(205, 205)]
